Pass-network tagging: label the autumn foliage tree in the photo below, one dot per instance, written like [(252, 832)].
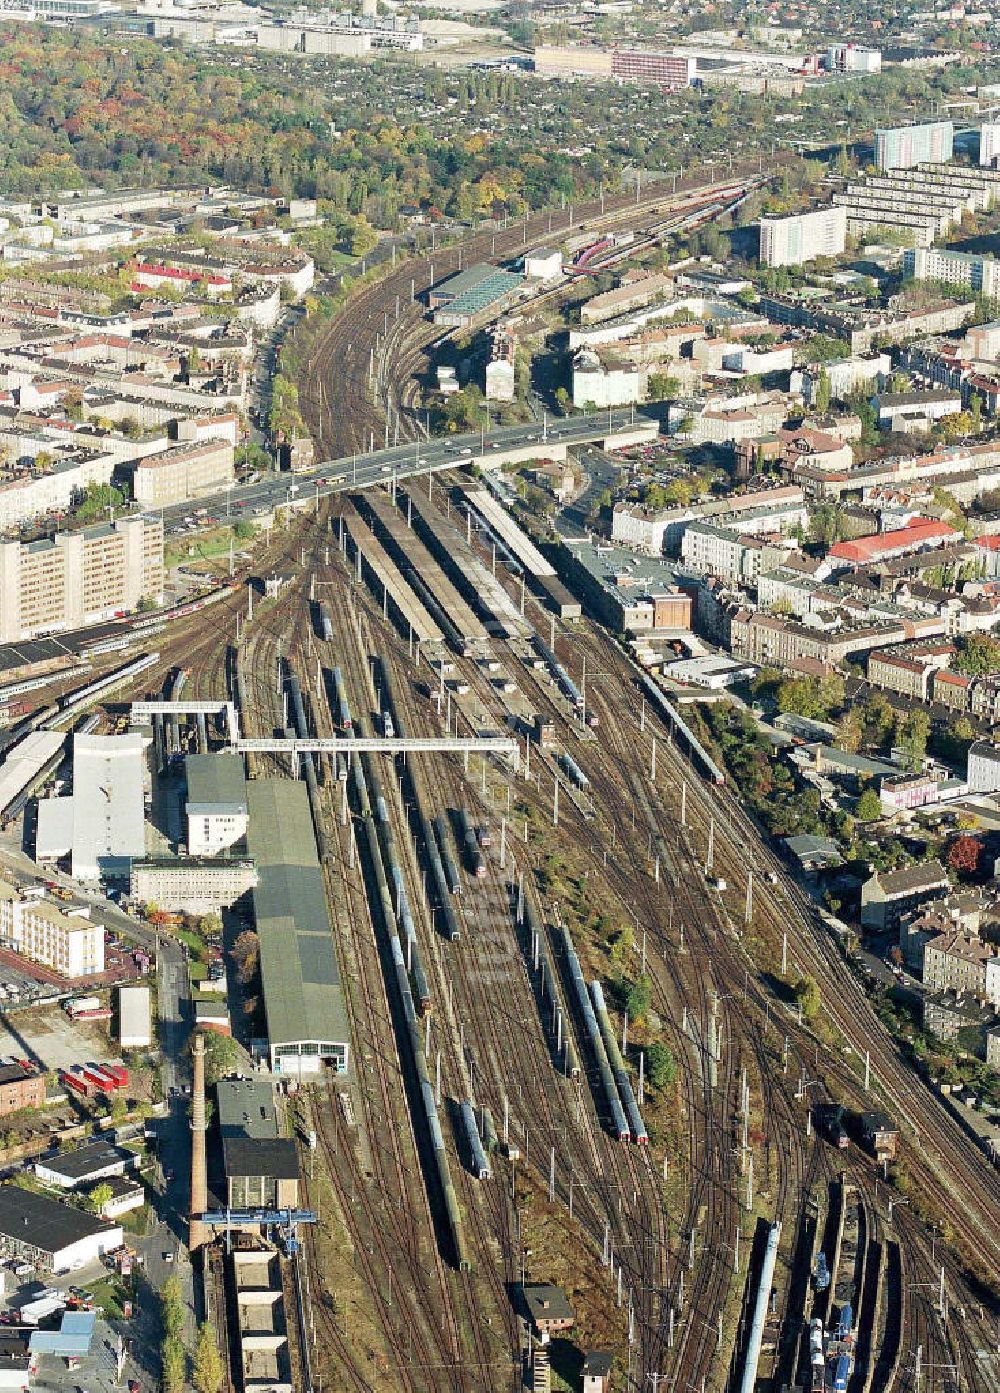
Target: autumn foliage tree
[(964, 853)]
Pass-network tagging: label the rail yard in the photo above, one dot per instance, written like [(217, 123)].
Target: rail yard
[(571, 1059), (495, 1126)]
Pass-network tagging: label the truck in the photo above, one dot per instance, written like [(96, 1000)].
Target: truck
[(82, 1003), (34, 1312)]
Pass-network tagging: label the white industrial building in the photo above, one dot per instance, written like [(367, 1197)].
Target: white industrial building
[(52, 1235), (543, 263), (217, 812), (134, 1023), (101, 825), (69, 943), (85, 1165)]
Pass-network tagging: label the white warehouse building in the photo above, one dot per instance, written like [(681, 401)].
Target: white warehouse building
[(134, 1027), (51, 1235)]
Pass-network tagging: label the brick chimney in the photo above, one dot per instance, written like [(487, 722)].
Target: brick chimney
[(198, 1234)]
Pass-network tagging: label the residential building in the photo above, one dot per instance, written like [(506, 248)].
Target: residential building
[(948, 1013), (899, 793), (910, 669), (989, 144), (216, 807), (192, 884), (183, 473), (902, 147), (52, 1235), (721, 551), (984, 767), (888, 895), (958, 962), (792, 241), (20, 1088), (602, 379), (634, 293), (951, 689), (845, 375), (125, 1196), (29, 491), (916, 411), (979, 273), (638, 527), (769, 639), (68, 943), (79, 578)]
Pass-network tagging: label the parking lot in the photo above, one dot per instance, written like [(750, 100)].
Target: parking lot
[(48, 1037)]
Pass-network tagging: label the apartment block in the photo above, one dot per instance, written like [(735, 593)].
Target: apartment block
[(769, 639), (78, 578), (667, 70), (795, 240), (20, 1088), (182, 473), (67, 943), (724, 552), (984, 767), (889, 895), (979, 273), (989, 144), (960, 962), (902, 147)]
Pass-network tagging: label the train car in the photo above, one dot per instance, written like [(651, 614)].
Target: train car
[(485, 836), (574, 771), (388, 729), (447, 860), (324, 623), (845, 1323), (821, 1275), (343, 705), (474, 862), (816, 1343), (841, 1373), (479, 1163)]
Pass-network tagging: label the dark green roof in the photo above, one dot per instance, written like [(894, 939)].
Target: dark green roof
[(302, 993), (215, 781)]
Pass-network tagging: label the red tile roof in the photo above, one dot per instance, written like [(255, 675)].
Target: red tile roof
[(917, 533)]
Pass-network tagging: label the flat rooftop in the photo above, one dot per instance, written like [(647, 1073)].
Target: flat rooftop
[(216, 783), (303, 999), (44, 1223), (83, 1161), (246, 1109)]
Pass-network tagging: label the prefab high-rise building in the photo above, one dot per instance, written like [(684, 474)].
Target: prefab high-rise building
[(902, 147)]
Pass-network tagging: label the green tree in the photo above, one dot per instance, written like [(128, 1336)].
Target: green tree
[(172, 1306), (912, 735), (174, 1364), (98, 499), (663, 387), (978, 655), (808, 997), (99, 1197), (821, 393), (207, 1373), (639, 998), (850, 732), (869, 806), (661, 1068), (244, 530)]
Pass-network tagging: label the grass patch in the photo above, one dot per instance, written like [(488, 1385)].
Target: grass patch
[(109, 1295)]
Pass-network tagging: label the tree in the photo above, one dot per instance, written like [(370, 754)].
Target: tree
[(808, 997), (639, 998), (849, 732), (244, 530), (222, 1055), (663, 387), (912, 736), (98, 499), (821, 392), (119, 1107), (174, 1364), (964, 853), (869, 806), (99, 1197), (978, 656), (172, 1306), (207, 1374), (246, 955), (661, 1068)]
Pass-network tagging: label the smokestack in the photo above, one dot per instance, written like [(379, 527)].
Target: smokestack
[(198, 1234)]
